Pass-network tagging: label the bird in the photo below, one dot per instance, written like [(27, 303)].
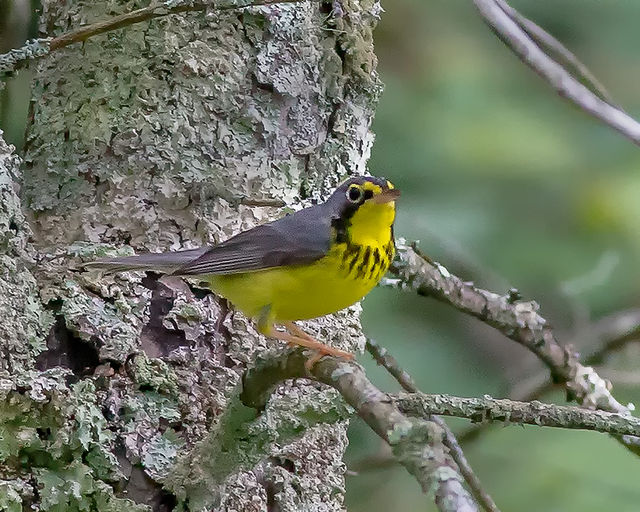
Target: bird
[(311, 263)]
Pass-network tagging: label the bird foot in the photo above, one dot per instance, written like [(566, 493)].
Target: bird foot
[(297, 337)]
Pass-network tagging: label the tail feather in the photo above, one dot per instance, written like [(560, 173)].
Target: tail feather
[(165, 262)]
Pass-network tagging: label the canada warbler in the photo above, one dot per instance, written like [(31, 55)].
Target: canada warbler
[(313, 262)]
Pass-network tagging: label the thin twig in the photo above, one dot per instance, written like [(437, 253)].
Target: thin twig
[(560, 52), (385, 359), (612, 333), (416, 444), (518, 413), (40, 47), (518, 320), (605, 336), (517, 39)]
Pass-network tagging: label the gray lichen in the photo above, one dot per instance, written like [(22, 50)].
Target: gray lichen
[(164, 135), (24, 321), (32, 49), (242, 440), (58, 434)]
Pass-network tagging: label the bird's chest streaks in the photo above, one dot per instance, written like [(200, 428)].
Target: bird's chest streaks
[(366, 262)]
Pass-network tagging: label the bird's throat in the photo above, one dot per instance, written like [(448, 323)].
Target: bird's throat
[(371, 224)]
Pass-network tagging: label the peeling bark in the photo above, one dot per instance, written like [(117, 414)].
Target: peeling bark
[(164, 135)]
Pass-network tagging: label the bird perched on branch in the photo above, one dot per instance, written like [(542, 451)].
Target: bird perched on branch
[(308, 264)]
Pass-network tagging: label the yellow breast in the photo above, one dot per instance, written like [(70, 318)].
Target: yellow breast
[(356, 261), (334, 282)]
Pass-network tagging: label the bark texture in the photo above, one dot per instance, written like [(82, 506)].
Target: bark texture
[(168, 134)]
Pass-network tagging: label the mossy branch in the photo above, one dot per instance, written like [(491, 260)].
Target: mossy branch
[(605, 336), (487, 409), (37, 48), (416, 444), (518, 320)]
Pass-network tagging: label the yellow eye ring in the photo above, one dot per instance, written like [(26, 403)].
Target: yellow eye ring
[(354, 193)]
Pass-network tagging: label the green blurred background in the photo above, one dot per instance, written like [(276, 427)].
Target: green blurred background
[(507, 185)]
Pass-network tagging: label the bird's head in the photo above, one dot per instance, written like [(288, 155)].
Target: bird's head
[(366, 205)]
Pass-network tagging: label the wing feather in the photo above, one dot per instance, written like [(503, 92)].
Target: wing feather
[(299, 238), (302, 237), (161, 262)]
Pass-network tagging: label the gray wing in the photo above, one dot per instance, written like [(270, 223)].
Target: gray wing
[(166, 262), (302, 237)]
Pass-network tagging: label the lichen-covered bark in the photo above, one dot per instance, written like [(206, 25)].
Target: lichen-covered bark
[(163, 135), (24, 320)]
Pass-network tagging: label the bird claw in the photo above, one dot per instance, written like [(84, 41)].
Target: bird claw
[(319, 354), (296, 337)]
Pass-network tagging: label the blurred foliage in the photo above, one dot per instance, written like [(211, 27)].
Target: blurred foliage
[(508, 185), (17, 24)]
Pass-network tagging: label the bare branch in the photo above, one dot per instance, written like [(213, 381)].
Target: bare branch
[(513, 412), (605, 336), (416, 444), (455, 450), (518, 320), (560, 52), (385, 359), (610, 334), (40, 47), (520, 42)]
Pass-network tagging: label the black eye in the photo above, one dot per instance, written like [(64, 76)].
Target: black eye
[(354, 194), (368, 194)]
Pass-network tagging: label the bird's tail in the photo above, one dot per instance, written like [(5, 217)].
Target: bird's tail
[(165, 262)]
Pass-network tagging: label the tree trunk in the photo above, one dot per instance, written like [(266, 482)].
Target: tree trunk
[(118, 392)]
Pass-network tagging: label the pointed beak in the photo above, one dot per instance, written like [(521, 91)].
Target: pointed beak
[(386, 196)]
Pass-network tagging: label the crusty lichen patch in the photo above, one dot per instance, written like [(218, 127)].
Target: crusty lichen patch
[(168, 134), (24, 321), (243, 440), (58, 434)]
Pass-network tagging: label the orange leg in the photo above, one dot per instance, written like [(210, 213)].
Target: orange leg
[(297, 331), (297, 336), (313, 343)]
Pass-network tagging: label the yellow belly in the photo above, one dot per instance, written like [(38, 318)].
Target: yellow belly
[(306, 291)]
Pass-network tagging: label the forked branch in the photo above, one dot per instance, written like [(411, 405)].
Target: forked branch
[(387, 361), (518, 320), (528, 42), (416, 443)]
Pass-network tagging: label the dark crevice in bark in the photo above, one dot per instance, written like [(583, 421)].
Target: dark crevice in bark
[(157, 340), (65, 349), (331, 121), (167, 502), (140, 488), (225, 310), (265, 87), (285, 463), (199, 292), (302, 191), (271, 489), (272, 504), (326, 7), (342, 54)]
